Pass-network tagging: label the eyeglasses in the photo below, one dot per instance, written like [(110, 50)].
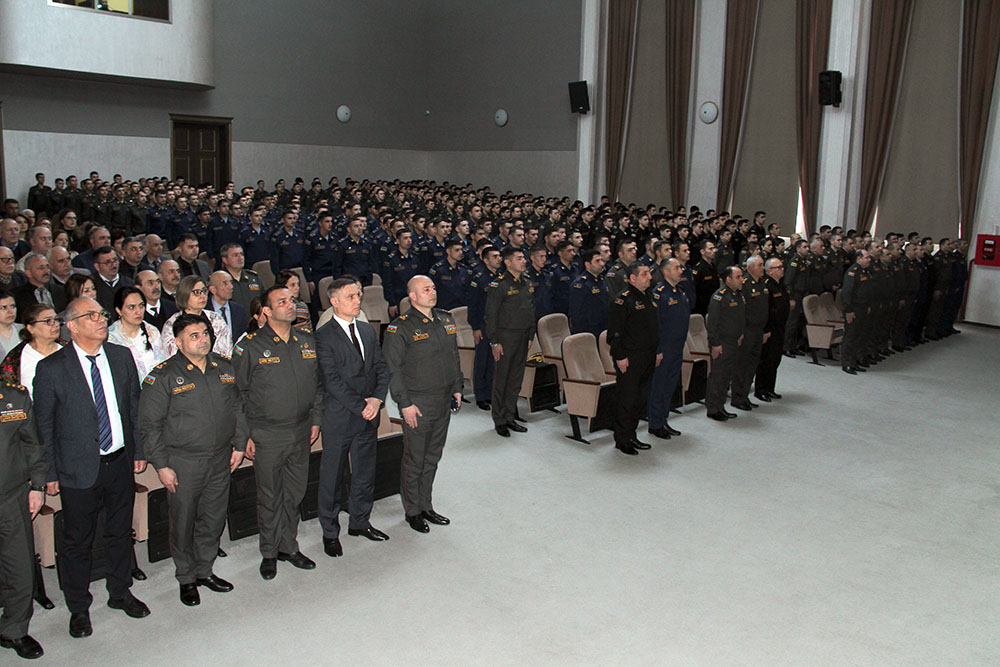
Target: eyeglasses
[(201, 291), (93, 316), (7, 260), (48, 320)]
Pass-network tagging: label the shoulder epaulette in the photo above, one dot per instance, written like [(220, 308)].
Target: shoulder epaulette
[(15, 385), (162, 364)]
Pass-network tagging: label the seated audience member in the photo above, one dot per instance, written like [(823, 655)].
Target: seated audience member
[(130, 331), (10, 278), (40, 240), (10, 237), (192, 297), (41, 338), (9, 329), (153, 253), (220, 286)]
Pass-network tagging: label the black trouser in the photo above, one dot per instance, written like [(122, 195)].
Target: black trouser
[(633, 392), (719, 379), (482, 371), (767, 367), (17, 565), (361, 447), (934, 313), (114, 492), (794, 326), (746, 363), (903, 317), (422, 449), (509, 374), (666, 377), (197, 514), (281, 468), (850, 348)]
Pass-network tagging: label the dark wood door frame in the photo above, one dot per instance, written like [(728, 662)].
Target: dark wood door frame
[(225, 125)]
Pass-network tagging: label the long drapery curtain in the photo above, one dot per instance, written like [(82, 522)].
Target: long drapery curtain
[(680, 42), (741, 27), (980, 48), (890, 27), (812, 41), (621, 42)]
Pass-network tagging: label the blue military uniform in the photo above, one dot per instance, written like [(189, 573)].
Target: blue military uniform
[(321, 257), (223, 231), (588, 305), (431, 253), (396, 273), (356, 258), (562, 278), (256, 245), (542, 282), (673, 314), (287, 250), (156, 221), (451, 283), (482, 374)]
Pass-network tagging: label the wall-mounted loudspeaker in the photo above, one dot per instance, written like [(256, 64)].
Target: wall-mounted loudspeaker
[(829, 88), (579, 99)]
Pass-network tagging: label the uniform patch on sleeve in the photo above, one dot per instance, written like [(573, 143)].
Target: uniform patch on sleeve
[(237, 349), (717, 297), (149, 379), (391, 328)]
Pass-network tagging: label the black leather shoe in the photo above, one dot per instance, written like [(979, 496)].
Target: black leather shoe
[(502, 431), (639, 444), (790, 354), (898, 348), (742, 406), (79, 625), (519, 418), (764, 398), (298, 559), (773, 395), (332, 548), (268, 568), (373, 534), (849, 370), (436, 518), (669, 429), (752, 404), (517, 428), (44, 602), (131, 605), (859, 368), (26, 647), (189, 595), (215, 584), (731, 415), (718, 416), (660, 433), (418, 524), (222, 554), (138, 574), (483, 405), (627, 448)]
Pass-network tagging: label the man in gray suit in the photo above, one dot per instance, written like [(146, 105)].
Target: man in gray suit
[(355, 382), (86, 403)]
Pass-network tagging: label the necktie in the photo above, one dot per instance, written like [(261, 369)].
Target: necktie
[(225, 316), (103, 421), (152, 311), (43, 296), (354, 339)]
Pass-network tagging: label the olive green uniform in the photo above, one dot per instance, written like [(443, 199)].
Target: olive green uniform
[(283, 398), (725, 324), (424, 370), (22, 458), (510, 322), (246, 288), (191, 421)]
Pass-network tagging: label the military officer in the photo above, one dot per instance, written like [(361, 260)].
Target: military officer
[(509, 326), (796, 281), (288, 245), (725, 323), (277, 373), (563, 272), (632, 336), (246, 283), (756, 298), (22, 491), (355, 254), (855, 296), (673, 315), (774, 344), (705, 277), (195, 433), (397, 269), (616, 277), (588, 297), (451, 277), (484, 366), (425, 379)]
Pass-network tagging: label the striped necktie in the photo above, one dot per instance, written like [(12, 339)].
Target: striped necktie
[(103, 420)]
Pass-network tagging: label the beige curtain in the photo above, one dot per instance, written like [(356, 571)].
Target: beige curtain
[(890, 26), (680, 41), (621, 42), (812, 40), (980, 48), (741, 27)]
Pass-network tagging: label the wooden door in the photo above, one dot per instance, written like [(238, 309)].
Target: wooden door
[(201, 152)]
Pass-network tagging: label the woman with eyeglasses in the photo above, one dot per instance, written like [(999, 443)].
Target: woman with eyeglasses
[(192, 297), (130, 331), (41, 338), (9, 329)]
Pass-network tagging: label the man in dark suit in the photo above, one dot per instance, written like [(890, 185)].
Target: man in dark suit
[(107, 278), (36, 268), (158, 310), (220, 285), (86, 402), (355, 382), (187, 258)]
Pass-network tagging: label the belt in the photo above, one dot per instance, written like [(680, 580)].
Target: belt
[(108, 458)]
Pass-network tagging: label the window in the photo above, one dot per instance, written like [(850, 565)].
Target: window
[(148, 9)]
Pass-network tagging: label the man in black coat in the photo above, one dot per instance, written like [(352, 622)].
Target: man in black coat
[(86, 402)]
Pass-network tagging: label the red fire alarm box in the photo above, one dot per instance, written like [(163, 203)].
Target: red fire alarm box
[(987, 250)]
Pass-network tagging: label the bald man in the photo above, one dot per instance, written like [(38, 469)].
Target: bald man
[(220, 286)]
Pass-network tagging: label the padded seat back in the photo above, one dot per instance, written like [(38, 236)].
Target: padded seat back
[(581, 359), (374, 304), (698, 335), (552, 331), (811, 309), (605, 351), (263, 271), (465, 337)]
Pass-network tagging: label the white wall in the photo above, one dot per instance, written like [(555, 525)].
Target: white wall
[(34, 33), (706, 86)]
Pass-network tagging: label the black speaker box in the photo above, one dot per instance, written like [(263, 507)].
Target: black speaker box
[(242, 504), (158, 542), (698, 384), (829, 88), (579, 98)]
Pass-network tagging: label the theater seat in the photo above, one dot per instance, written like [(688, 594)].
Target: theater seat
[(466, 342), (552, 331), (697, 340), (605, 351), (589, 394), (376, 279), (145, 482), (322, 287), (821, 334), (263, 271), (374, 305), (404, 305)]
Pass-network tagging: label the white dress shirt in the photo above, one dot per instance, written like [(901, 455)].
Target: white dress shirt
[(346, 326), (108, 381)]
